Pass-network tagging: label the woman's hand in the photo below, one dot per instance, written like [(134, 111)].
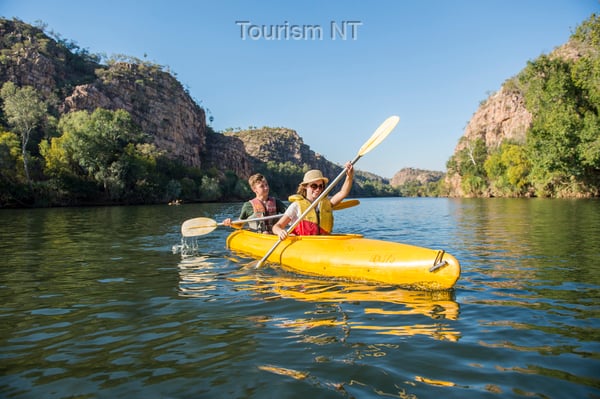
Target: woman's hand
[(279, 228), (346, 187), (349, 170), (280, 232)]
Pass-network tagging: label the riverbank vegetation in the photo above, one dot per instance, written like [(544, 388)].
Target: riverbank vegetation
[(83, 158), (561, 154), (48, 158)]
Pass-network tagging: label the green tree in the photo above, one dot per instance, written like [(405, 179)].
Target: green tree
[(563, 140), (586, 75), (105, 147), (138, 177), (25, 111), (283, 177), (189, 188), (209, 189), (552, 139), (10, 163), (10, 155), (508, 170), (469, 164)]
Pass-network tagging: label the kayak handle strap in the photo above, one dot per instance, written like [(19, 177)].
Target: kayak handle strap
[(438, 262)]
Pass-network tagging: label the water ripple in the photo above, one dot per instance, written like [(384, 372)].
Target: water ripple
[(96, 304)]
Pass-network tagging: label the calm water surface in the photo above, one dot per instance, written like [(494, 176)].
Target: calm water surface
[(95, 304)]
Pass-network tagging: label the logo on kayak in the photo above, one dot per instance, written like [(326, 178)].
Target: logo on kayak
[(383, 259)]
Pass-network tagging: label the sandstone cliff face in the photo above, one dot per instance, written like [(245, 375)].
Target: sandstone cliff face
[(30, 58), (282, 145), (501, 117), (154, 98), (156, 101), (420, 176), (227, 153)]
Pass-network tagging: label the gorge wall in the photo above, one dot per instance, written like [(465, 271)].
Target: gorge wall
[(157, 102), (502, 116)]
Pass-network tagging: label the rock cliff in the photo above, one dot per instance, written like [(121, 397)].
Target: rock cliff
[(156, 102), (502, 116), (76, 81), (407, 175), (227, 153), (71, 79), (29, 57), (281, 145)]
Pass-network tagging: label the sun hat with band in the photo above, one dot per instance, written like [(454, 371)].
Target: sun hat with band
[(314, 175)]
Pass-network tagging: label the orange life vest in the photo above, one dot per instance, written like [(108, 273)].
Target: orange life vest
[(267, 208)]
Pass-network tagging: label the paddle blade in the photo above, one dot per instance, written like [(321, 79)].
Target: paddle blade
[(380, 134), (346, 204), (197, 227), (342, 205)]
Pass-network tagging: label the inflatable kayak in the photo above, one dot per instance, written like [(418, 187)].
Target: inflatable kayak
[(353, 257)]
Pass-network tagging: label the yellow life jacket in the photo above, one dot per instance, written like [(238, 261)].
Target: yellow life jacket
[(314, 222)]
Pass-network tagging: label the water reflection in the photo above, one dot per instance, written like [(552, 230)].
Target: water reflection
[(525, 241), (378, 309), (197, 277), (95, 304), (354, 307)]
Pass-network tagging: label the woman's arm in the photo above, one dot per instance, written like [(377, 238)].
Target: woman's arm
[(279, 227), (346, 187)]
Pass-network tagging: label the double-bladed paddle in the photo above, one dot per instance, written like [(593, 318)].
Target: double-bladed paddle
[(377, 137), (201, 226)]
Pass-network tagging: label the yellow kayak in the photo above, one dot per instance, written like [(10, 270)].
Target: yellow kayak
[(353, 257)]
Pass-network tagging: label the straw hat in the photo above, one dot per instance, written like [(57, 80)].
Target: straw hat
[(314, 175)]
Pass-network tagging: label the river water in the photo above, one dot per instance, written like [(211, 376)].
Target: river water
[(96, 304)]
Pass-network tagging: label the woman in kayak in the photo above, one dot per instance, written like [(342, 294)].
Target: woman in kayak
[(320, 219), (261, 205)]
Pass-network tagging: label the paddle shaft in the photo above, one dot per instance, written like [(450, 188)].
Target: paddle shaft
[(319, 198), (310, 208), (376, 138), (240, 221), (201, 226)]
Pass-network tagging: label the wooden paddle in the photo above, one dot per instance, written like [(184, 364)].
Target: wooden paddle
[(201, 226), (377, 137)]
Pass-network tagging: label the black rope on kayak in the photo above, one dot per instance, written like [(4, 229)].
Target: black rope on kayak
[(438, 262)]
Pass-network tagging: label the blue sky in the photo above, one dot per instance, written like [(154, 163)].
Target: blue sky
[(430, 62)]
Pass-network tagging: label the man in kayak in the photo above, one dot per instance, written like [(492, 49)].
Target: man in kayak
[(260, 206), (320, 219)]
